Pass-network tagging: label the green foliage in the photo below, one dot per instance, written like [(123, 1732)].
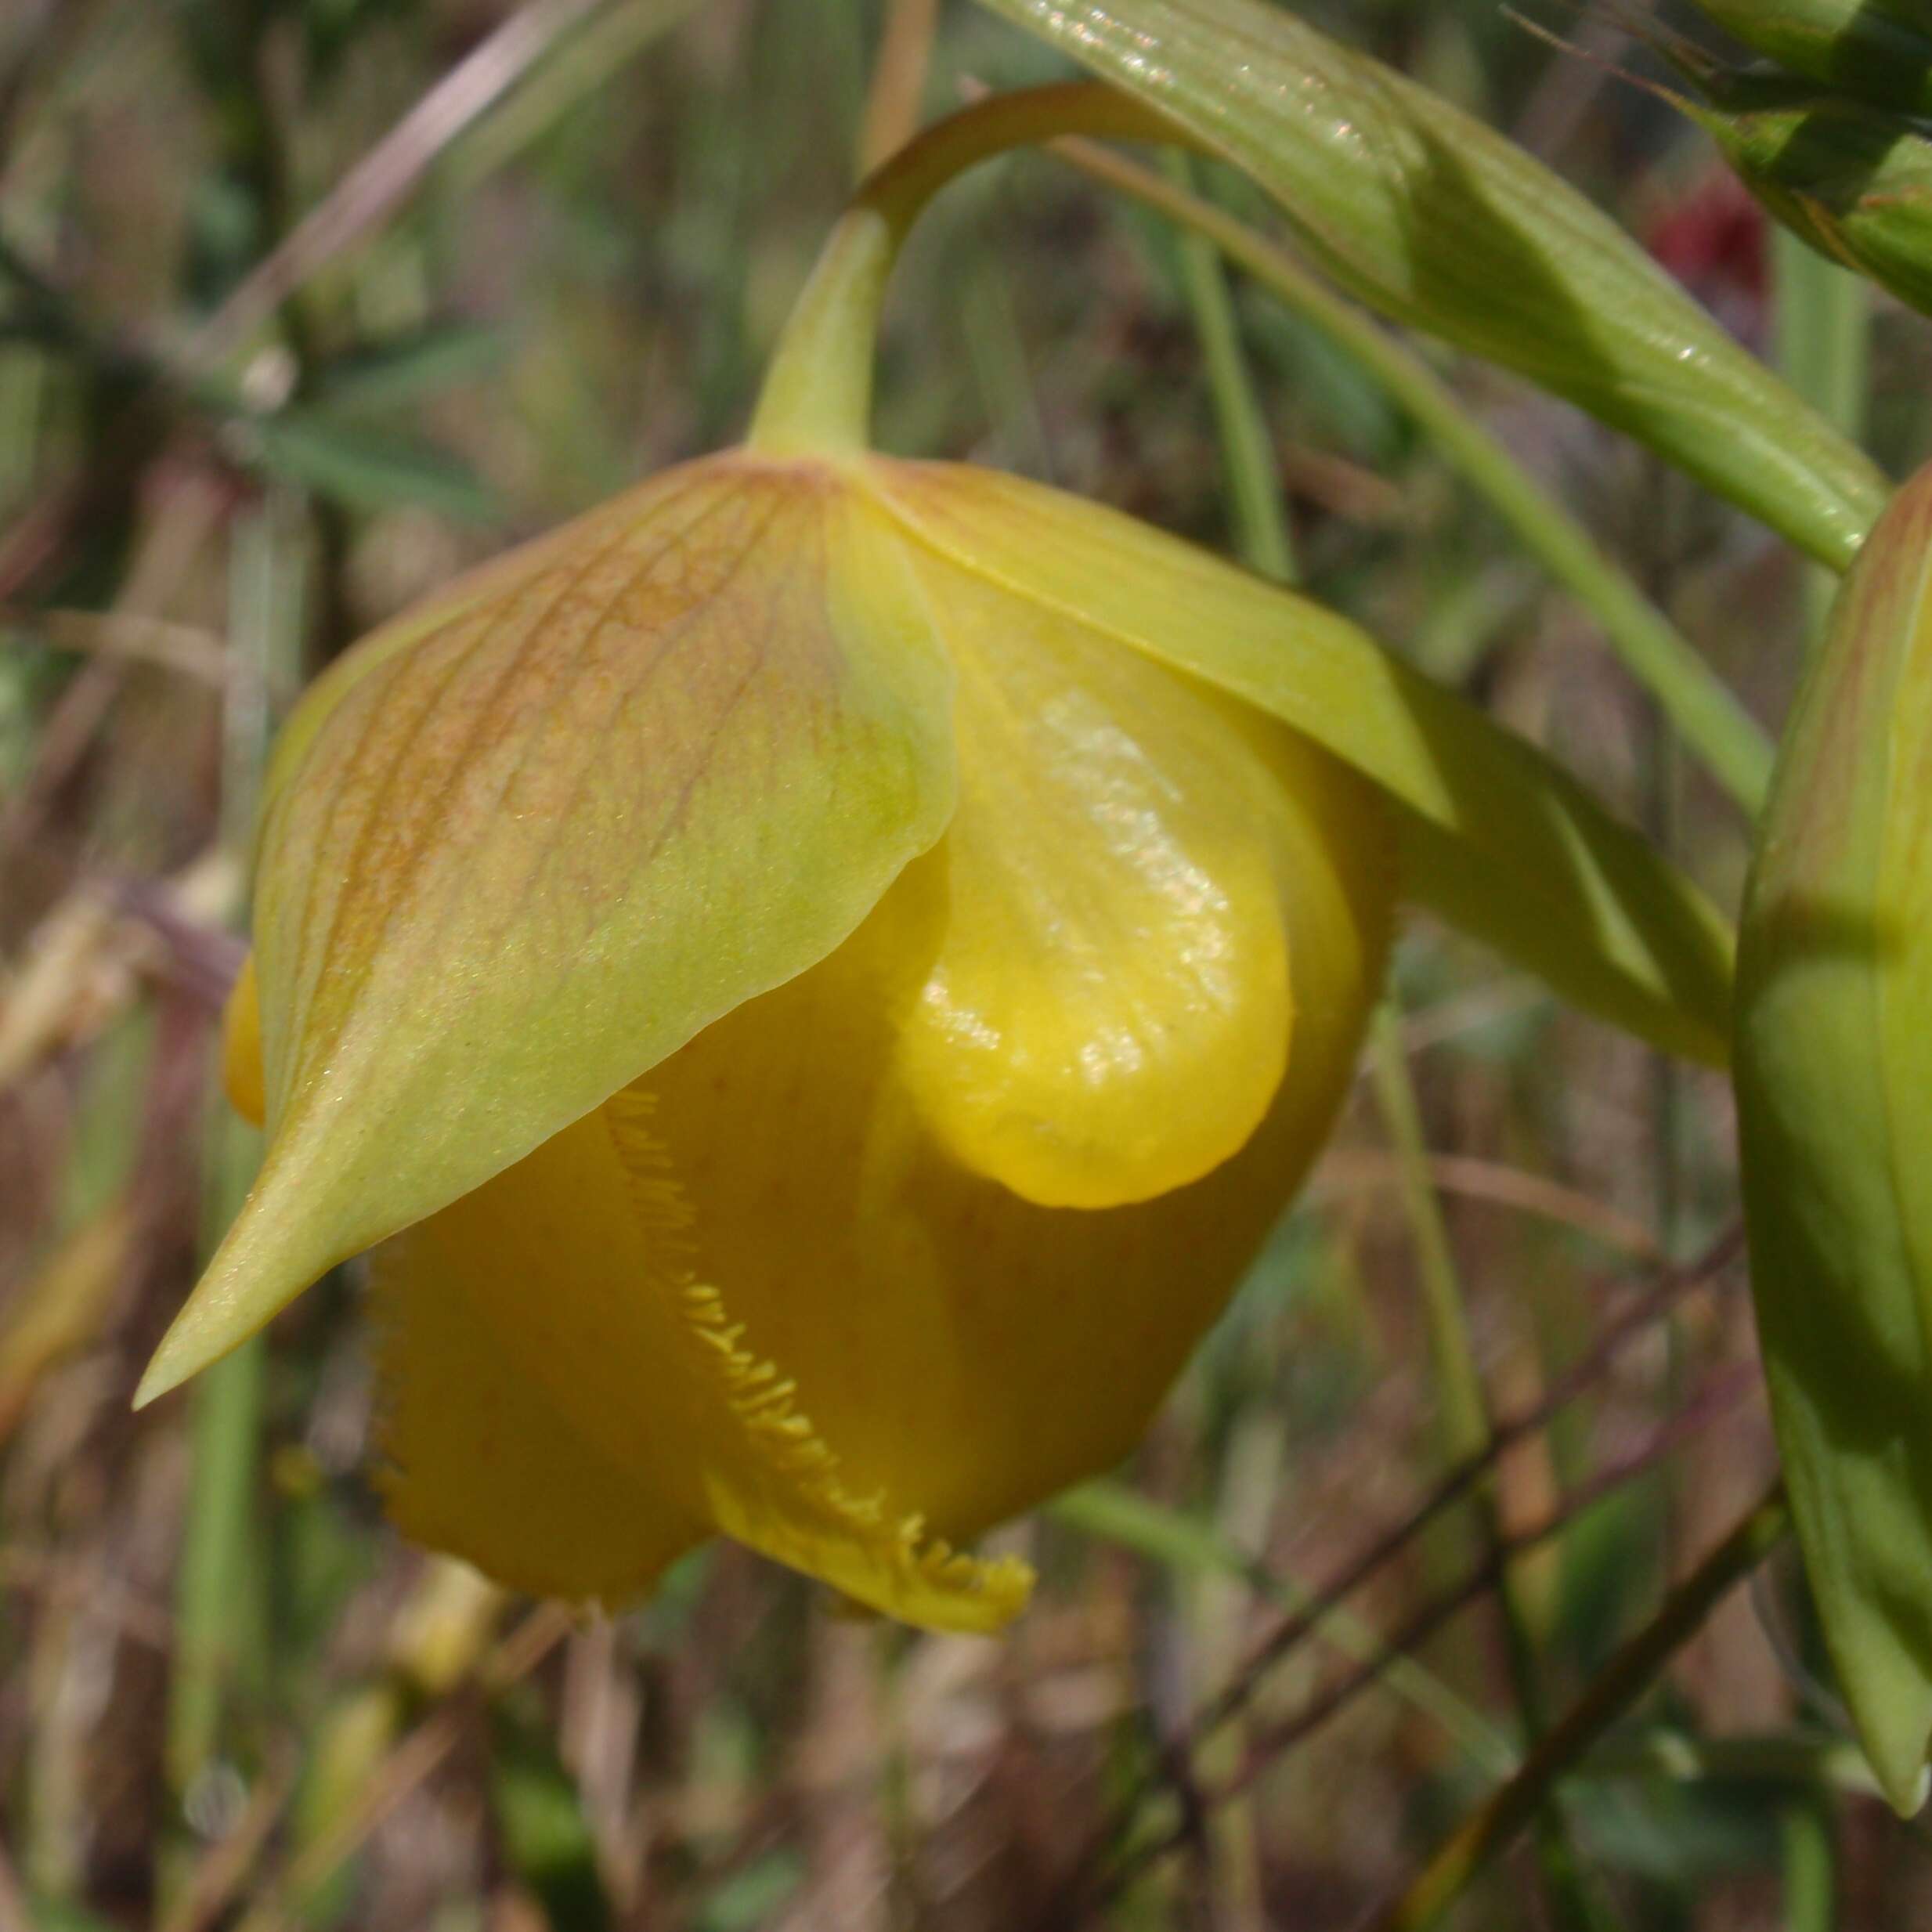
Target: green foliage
[(579, 285), (362, 467), (1854, 182), (1832, 1083), (1433, 217), (1881, 49)]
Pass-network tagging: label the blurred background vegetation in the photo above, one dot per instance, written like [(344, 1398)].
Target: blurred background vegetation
[(306, 304)]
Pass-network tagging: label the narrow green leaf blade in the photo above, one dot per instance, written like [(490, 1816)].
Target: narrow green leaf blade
[(402, 370), (1433, 218), (370, 469)]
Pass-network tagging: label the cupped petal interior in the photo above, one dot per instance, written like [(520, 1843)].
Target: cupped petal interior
[(1110, 1014), (570, 1407), (480, 1459)]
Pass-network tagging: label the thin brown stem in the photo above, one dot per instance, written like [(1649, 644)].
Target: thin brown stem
[(1641, 1314), (892, 107), (1093, 1881), (1612, 1693), (386, 176)]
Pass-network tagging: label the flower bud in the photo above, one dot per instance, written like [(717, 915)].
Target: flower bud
[(1833, 1062), (1852, 180), (1879, 49)]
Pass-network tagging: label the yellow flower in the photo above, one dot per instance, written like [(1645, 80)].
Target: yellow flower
[(819, 975)]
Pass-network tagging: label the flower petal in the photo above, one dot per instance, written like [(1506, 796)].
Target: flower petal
[(960, 1351), (520, 849), (1109, 1016), (1501, 841), (968, 1350), (545, 1339), (241, 1047), (480, 1461)]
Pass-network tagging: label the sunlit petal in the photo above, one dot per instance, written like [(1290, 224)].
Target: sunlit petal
[(1521, 854), (514, 858), (1110, 1014)]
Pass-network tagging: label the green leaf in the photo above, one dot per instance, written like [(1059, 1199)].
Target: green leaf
[(752, 1897), (1853, 182), (54, 1915), (405, 369), (369, 469), (1433, 218), (1880, 48)]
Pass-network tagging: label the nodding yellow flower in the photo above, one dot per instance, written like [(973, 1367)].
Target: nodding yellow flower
[(815, 979)]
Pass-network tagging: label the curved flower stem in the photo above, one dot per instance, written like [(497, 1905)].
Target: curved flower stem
[(1628, 1674), (817, 395), (1709, 718)]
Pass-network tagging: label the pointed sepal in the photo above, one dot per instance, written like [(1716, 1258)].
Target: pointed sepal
[(524, 844)]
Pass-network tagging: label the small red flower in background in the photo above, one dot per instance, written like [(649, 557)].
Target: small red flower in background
[(1713, 240)]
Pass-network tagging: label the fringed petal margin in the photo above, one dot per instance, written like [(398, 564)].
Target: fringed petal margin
[(770, 1479), (568, 1407)]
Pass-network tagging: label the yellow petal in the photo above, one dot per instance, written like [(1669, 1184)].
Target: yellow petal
[(1500, 840), (241, 1047), (959, 1351), (523, 848), (480, 1461), (969, 1351), (1110, 1016), (569, 1407)]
